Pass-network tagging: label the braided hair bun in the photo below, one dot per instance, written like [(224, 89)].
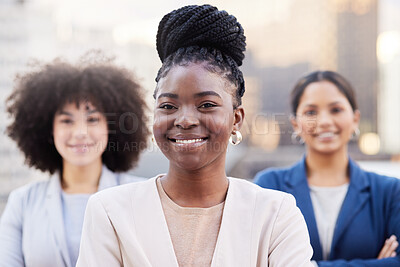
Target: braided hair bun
[(204, 26), (203, 33)]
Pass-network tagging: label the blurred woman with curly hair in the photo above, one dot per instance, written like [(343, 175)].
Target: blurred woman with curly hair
[(84, 124)]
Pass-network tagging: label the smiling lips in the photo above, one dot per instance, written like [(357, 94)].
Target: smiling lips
[(325, 136), (80, 148), (188, 142)]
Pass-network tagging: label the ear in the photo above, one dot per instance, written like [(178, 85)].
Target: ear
[(295, 124), (238, 118), (356, 118)]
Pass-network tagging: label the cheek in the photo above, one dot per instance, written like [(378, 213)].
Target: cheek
[(60, 138), (307, 126), (99, 133), (59, 134), (347, 127), (162, 123), (221, 124), (104, 137)]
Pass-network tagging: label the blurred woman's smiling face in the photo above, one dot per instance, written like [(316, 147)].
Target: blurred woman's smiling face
[(194, 116), (80, 133), (325, 118)]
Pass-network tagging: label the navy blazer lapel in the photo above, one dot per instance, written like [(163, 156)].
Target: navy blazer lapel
[(357, 195), (297, 185), (55, 215)]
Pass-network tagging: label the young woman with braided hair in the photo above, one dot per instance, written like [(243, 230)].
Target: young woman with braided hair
[(194, 215)]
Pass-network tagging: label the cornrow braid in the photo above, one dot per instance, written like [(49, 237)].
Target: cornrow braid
[(203, 33)]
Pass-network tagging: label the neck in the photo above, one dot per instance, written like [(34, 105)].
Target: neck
[(81, 179), (202, 188), (327, 169)]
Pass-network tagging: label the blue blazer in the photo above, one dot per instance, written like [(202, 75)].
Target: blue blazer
[(369, 215), (32, 232)]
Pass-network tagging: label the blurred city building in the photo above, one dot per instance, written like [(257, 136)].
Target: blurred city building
[(15, 30), (298, 37), (388, 52)]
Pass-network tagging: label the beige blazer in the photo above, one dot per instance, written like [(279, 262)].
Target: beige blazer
[(125, 226)]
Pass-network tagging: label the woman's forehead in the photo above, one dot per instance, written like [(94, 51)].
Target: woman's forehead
[(320, 93), (192, 79), (85, 105)]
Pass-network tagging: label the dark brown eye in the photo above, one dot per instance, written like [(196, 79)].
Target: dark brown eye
[(336, 110), (207, 105), (310, 113), (166, 106), (66, 121), (93, 119)]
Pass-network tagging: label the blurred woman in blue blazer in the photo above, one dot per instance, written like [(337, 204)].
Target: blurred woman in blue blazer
[(84, 124), (353, 216)]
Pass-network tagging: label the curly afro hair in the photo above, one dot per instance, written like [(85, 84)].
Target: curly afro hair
[(39, 94), (203, 34)]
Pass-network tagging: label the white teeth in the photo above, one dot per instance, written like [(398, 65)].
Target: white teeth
[(189, 141), (326, 135)]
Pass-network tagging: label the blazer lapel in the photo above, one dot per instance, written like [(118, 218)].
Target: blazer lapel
[(235, 228), (150, 224), (297, 185), (357, 195), (54, 212)]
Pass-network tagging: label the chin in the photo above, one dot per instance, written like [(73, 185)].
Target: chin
[(188, 164), (328, 150), (80, 162)]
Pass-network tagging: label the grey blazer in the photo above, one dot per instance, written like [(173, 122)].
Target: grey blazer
[(32, 229)]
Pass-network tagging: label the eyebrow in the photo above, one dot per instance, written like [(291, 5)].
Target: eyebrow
[(175, 96), (63, 112), (311, 105), (330, 104), (92, 111), (206, 93), (335, 103), (201, 94)]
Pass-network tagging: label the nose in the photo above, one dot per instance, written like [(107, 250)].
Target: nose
[(186, 118), (324, 119), (80, 129)]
